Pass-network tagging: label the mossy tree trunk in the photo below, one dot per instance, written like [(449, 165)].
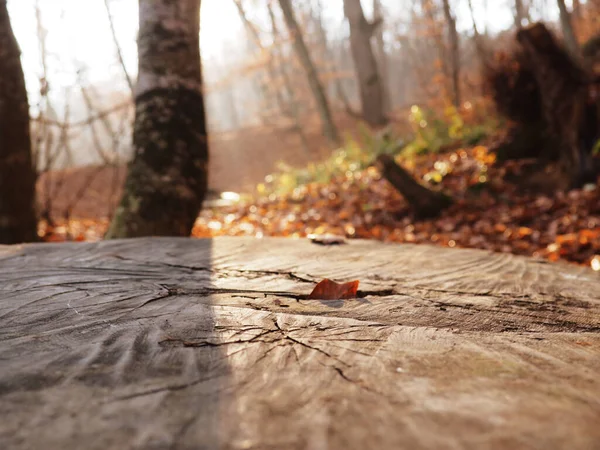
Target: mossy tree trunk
[(18, 221), (167, 179)]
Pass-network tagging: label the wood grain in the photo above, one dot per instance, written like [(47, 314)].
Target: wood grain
[(171, 343)]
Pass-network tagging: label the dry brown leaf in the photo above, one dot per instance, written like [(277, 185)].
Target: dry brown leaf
[(330, 290)]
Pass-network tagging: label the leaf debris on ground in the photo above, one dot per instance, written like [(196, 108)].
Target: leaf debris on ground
[(488, 212)]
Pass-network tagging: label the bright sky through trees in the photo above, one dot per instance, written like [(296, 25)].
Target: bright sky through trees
[(78, 34)]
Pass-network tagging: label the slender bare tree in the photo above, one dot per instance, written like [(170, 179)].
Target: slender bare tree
[(576, 11), (271, 94), (167, 179), (329, 127), (368, 75), (435, 29), (18, 221), (290, 106), (479, 44), (113, 33), (331, 65), (568, 31), (521, 14), (382, 56), (454, 45)]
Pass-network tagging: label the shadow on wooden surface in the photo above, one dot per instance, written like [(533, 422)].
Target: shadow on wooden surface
[(202, 344), (91, 340)]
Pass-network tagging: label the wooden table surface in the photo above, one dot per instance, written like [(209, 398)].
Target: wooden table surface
[(172, 343)]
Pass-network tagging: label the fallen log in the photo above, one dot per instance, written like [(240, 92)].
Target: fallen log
[(425, 202), (178, 343)]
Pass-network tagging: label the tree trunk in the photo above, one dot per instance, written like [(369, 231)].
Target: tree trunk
[(568, 32), (369, 79), (479, 44), (425, 202), (382, 57), (167, 178), (329, 128), (288, 107), (454, 53), (435, 30), (521, 14), (292, 108), (18, 222), (325, 47), (576, 11)]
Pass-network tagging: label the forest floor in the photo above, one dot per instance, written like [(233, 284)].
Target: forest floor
[(489, 211)]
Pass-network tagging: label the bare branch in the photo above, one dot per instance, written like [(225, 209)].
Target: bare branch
[(90, 119), (119, 52)]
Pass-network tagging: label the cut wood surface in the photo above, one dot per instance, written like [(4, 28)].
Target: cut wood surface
[(172, 343)]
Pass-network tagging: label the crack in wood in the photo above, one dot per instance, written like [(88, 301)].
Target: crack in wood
[(361, 385), (205, 343), (168, 388), (218, 271), (285, 335)]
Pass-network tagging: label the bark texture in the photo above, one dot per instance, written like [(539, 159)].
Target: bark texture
[(329, 128), (167, 178), (369, 79), (18, 221)]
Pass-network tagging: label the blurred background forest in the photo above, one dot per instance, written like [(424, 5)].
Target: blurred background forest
[(447, 122)]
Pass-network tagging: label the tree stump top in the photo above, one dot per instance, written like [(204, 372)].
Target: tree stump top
[(202, 344)]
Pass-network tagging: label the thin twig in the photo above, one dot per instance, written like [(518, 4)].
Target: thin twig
[(82, 123), (119, 52)]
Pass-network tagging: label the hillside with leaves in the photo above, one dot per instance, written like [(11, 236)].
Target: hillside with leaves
[(488, 213)]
